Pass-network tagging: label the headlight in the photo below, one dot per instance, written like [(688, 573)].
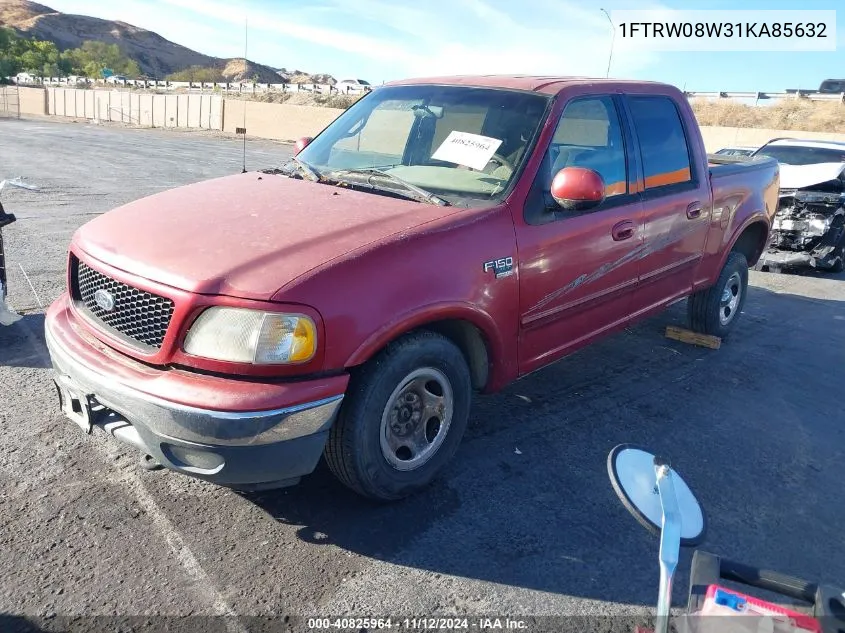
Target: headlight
[(240, 335)]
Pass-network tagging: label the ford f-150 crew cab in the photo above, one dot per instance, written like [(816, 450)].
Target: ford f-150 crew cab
[(441, 237)]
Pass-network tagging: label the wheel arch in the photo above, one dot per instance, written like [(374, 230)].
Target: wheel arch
[(751, 240), (471, 330)]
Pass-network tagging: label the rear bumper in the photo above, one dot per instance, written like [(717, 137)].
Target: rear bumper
[(231, 432)]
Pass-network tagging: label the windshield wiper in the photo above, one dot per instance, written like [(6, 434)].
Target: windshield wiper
[(419, 194), (306, 169)]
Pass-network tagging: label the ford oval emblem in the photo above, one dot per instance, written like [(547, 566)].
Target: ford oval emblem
[(104, 299)]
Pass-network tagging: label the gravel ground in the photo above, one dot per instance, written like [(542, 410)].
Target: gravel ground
[(525, 524)]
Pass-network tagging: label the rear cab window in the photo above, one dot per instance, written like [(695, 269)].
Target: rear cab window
[(664, 147)]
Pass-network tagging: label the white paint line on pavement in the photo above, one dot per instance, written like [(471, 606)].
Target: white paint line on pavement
[(181, 549), (175, 542)]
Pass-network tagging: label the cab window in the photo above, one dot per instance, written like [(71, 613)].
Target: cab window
[(589, 134), (663, 144)]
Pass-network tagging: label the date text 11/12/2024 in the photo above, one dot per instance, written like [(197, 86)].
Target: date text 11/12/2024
[(416, 624)]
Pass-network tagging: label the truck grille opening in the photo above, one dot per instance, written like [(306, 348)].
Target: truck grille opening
[(140, 318)]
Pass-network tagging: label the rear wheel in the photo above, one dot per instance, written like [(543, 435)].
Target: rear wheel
[(716, 310), (403, 418)]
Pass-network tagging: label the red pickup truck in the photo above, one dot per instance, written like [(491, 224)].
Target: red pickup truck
[(441, 237)]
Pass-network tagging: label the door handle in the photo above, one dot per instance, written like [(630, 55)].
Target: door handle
[(694, 210), (623, 230)]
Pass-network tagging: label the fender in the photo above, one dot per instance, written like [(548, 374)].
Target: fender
[(755, 217), (497, 356)]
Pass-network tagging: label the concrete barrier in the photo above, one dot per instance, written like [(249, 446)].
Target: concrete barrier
[(716, 138), (289, 122), (144, 109), (278, 121), (283, 122), (18, 101), (33, 101), (9, 104)]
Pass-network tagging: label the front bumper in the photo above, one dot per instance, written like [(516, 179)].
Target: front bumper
[(238, 433), (823, 258)]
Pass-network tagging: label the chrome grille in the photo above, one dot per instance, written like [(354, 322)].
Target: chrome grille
[(139, 316)]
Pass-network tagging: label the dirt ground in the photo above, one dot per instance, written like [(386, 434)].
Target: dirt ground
[(524, 524)]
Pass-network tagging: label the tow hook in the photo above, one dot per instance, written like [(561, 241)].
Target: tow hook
[(148, 462)]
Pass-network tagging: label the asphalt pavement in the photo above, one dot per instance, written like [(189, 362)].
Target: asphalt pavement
[(524, 524)]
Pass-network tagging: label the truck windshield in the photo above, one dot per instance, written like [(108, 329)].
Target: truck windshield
[(802, 155), (460, 143)]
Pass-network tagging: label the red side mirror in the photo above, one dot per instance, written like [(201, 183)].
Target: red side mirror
[(578, 188), (301, 144)]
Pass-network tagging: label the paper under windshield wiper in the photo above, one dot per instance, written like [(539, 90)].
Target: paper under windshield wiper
[(421, 195)]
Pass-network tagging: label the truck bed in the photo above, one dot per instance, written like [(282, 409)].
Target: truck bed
[(738, 180), (727, 165)]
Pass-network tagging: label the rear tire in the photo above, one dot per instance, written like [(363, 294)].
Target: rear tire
[(403, 418), (716, 310)]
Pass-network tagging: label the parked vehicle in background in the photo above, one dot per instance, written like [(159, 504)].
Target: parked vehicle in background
[(736, 151), (353, 85), (809, 228), (441, 236), (832, 86), (793, 151), (115, 79), (25, 78)]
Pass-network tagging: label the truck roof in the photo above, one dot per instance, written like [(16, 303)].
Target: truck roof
[(533, 83)]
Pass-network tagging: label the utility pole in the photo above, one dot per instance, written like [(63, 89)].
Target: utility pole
[(612, 41), (244, 103)]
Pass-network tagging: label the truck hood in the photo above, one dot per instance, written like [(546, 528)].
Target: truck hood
[(245, 235)]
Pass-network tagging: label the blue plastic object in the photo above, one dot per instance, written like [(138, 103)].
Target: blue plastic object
[(732, 601)]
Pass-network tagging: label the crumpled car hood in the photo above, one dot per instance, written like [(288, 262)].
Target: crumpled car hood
[(801, 176)]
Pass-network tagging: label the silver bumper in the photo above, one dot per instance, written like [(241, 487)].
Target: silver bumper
[(224, 447)]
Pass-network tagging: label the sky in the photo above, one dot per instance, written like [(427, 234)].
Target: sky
[(381, 40)]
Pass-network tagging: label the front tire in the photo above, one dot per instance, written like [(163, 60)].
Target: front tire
[(404, 416), (716, 310)]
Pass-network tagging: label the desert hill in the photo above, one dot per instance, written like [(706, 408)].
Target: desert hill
[(156, 56)]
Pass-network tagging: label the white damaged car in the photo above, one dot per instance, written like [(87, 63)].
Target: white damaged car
[(809, 228)]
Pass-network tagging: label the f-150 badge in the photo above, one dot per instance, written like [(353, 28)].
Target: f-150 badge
[(502, 267)]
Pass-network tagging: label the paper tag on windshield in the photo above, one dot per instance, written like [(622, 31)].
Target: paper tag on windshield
[(469, 150)]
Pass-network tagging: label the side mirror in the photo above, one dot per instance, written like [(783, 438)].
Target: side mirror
[(662, 502), (578, 188), (638, 478), (301, 144)]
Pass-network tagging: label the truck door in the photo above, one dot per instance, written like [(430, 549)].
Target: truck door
[(577, 269), (676, 202)]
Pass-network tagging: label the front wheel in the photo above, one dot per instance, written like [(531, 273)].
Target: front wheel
[(715, 310), (403, 418)]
